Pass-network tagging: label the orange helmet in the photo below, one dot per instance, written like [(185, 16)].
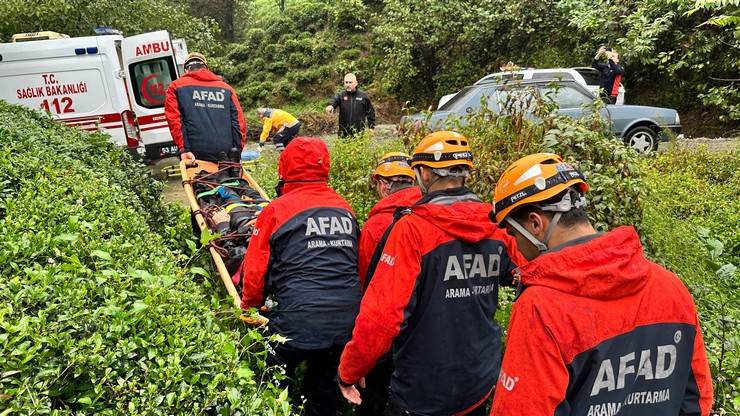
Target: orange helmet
[(195, 57), (532, 179), (443, 149), (394, 164)]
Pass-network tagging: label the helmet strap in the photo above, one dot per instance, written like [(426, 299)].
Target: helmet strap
[(425, 188), (455, 173), (541, 247), (564, 205)]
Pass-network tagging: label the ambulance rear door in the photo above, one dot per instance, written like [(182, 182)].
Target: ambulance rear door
[(149, 65)]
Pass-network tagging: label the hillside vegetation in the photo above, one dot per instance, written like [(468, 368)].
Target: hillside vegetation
[(683, 54), (98, 314)]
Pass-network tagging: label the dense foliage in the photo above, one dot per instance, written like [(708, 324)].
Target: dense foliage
[(97, 314), (683, 54), (691, 226), (79, 18), (299, 54), (672, 57)]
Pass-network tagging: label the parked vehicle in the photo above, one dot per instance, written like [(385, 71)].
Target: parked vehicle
[(586, 76), (106, 82), (640, 127)]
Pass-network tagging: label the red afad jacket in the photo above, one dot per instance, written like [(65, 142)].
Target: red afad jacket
[(303, 252), (380, 217), (204, 115), (600, 330), (432, 298)]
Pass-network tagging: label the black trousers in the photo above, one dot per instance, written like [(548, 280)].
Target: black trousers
[(284, 136), (375, 394), (395, 409), (319, 385)]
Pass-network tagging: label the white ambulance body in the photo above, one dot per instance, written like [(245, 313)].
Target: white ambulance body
[(107, 83)]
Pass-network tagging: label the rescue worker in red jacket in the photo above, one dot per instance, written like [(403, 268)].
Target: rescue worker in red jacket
[(434, 293), (303, 253), (598, 329), (393, 180), (203, 113)]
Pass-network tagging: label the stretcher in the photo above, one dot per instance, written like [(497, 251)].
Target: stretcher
[(215, 190)]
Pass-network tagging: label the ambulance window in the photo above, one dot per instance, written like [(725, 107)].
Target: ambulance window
[(150, 80)]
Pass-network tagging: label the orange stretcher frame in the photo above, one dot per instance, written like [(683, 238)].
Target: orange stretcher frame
[(189, 170)]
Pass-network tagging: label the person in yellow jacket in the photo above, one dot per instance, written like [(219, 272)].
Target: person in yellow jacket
[(281, 124)]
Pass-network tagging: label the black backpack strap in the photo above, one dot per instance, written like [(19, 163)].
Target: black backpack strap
[(399, 213)]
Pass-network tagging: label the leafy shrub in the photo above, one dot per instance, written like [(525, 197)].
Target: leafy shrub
[(352, 162), (690, 226), (241, 52), (96, 315), (78, 17), (611, 168), (350, 16)]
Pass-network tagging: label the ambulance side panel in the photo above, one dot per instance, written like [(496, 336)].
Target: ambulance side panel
[(70, 78)]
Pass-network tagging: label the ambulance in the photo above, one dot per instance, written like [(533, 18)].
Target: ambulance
[(106, 83)]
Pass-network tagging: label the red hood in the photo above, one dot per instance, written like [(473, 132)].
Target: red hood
[(203, 75), (403, 198), (305, 159), (610, 266), (469, 216)]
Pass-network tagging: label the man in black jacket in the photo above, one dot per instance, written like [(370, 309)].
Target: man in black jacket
[(354, 107)]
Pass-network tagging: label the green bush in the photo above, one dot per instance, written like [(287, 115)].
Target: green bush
[(611, 169), (352, 162), (350, 16), (690, 226), (309, 16), (97, 315)]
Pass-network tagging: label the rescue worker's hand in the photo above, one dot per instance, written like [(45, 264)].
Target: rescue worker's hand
[(329, 109), (351, 393), (187, 156)]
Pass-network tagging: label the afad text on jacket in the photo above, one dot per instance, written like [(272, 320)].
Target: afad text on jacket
[(303, 252), (433, 296), (599, 330), (204, 115)]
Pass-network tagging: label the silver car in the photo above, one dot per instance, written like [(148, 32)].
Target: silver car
[(640, 127)]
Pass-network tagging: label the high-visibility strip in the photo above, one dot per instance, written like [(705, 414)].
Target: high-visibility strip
[(151, 119), (557, 179), (102, 118), (159, 126)]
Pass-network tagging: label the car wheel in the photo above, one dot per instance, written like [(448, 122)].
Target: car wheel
[(642, 139)]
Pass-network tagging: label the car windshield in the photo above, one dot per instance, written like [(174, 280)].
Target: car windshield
[(452, 102), (591, 76), (565, 96)]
